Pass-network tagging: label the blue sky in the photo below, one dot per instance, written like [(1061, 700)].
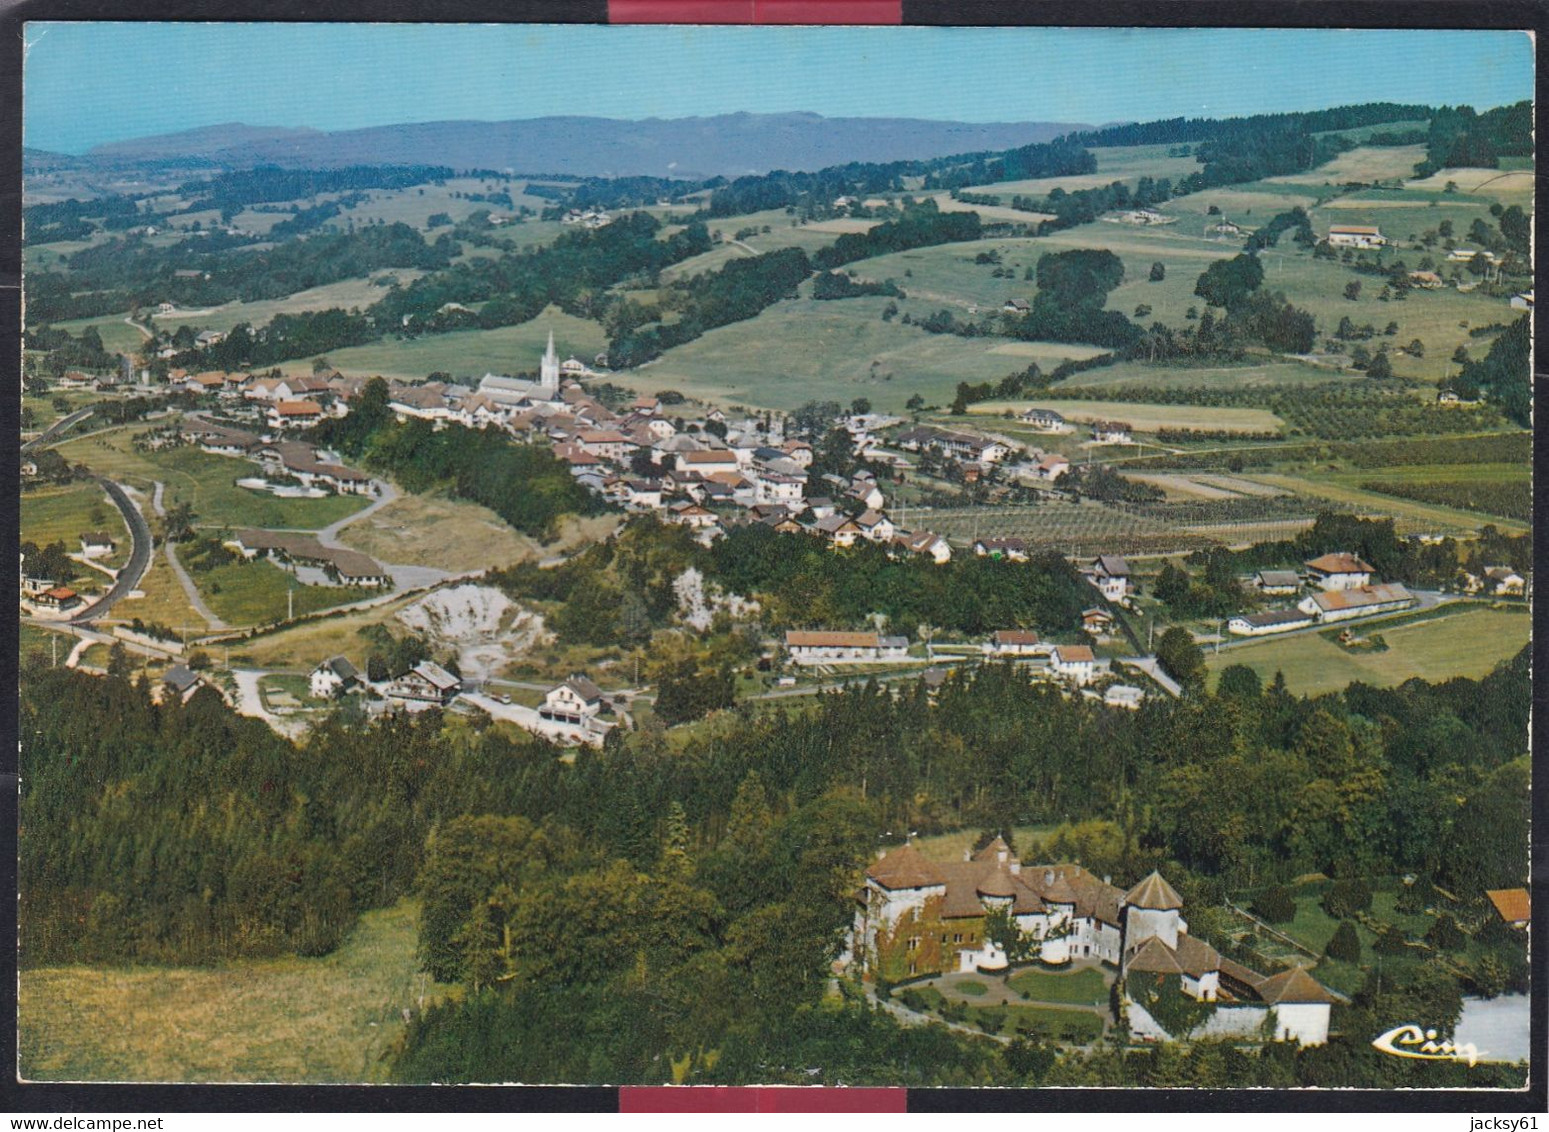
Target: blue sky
[(86, 84)]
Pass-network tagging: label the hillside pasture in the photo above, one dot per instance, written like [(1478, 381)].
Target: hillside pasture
[(1146, 418), (428, 530), (117, 336), (1363, 164), (346, 294), (1263, 373), (1468, 643), (752, 362), (63, 514), (1114, 163), (1509, 186), (473, 353)]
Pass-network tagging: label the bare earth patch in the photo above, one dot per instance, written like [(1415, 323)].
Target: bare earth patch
[(417, 530)]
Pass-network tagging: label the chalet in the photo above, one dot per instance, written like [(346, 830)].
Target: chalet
[(333, 677), (1270, 621), (427, 683), (61, 599), (1098, 622), (1123, 696), (1512, 905), (1046, 420), (95, 543), (1112, 432), (917, 916), (1355, 236), (1015, 642), (875, 526), (1110, 574), (805, 647), (1011, 548), (1340, 571), (927, 543), (294, 414), (1277, 583), (821, 506), (576, 701), (1077, 663), (691, 515), (1051, 468), (839, 529), (1361, 601)]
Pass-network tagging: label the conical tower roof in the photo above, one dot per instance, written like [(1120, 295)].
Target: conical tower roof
[(993, 850), (905, 867), (997, 882), (1295, 985), (1154, 893)]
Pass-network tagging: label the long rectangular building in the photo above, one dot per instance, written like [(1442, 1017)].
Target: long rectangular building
[(824, 647), (1361, 601)]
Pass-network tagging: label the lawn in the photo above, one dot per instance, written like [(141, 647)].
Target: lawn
[(1147, 418), (302, 646), (1076, 1026), (330, 1019), (205, 482), (951, 846), (473, 353), (1085, 987), (287, 691), (254, 593), (63, 514), (1468, 643)]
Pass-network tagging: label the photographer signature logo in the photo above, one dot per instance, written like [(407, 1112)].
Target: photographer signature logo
[(1411, 1041)]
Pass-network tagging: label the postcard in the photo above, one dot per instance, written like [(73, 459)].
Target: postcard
[(713, 555)]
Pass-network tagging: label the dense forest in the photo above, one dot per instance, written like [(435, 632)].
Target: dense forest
[(678, 905)]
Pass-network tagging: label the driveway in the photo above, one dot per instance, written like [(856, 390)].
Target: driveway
[(250, 702)]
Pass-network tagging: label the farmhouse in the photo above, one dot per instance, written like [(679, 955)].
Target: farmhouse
[(1340, 571), (1277, 582), (1015, 642), (1077, 663), (1016, 306), (958, 445), (1355, 236), (916, 917), (427, 683), (1051, 468), (1098, 622), (1110, 574), (576, 701), (60, 599), (334, 676), (927, 543), (1270, 621), (1362, 601), (843, 648)]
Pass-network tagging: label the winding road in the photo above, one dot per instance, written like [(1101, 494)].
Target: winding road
[(169, 551), (139, 556), (59, 426)]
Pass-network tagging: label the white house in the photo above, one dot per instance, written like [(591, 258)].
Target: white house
[(1075, 662), (1015, 642), (1355, 236), (1277, 582), (1112, 432), (1504, 581), (333, 676), (576, 701), (1270, 621), (825, 647), (1110, 574), (1339, 571), (1362, 601), (1011, 548), (1124, 696), (875, 526), (927, 543), (96, 543), (426, 683), (1046, 420)]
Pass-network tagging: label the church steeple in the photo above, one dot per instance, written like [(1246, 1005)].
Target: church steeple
[(549, 375)]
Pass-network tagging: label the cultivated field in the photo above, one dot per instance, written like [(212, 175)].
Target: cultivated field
[(1424, 518), (1146, 418), (296, 1020), (1468, 643), (1114, 163)]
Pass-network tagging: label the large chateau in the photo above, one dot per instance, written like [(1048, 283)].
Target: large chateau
[(918, 917)]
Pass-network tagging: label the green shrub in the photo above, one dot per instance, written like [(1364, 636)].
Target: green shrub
[(1347, 897), (1275, 905), (1345, 945)]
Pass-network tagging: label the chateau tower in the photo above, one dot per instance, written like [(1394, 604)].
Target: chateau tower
[(548, 379)]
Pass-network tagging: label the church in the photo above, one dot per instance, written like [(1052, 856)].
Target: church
[(916, 917), (521, 391)]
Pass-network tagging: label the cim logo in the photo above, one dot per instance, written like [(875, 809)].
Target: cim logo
[(1411, 1041)]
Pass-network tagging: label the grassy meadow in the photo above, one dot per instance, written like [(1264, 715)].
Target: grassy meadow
[(1467, 643), (1143, 417), (63, 514), (257, 593), (304, 1021), (429, 530)]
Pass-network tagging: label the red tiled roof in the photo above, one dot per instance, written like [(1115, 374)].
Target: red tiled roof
[(904, 867), (1512, 904)]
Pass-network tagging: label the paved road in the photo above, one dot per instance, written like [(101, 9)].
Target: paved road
[(139, 557), (56, 428)]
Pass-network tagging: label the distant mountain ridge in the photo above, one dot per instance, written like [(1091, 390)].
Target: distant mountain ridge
[(729, 145)]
